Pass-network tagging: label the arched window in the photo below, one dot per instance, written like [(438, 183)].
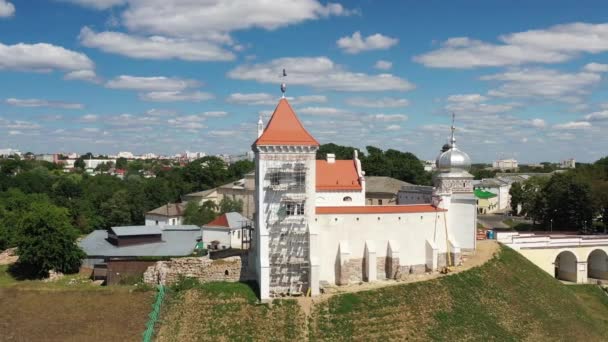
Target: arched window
[(347, 199)]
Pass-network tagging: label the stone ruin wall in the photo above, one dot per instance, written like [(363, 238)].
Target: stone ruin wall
[(232, 269)]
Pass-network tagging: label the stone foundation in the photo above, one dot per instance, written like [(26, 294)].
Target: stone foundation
[(442, 258), (392, 268), (381, 270), (352, 271), (231, 269)]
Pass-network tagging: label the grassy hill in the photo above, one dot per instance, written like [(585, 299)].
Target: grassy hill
[(506, 299)]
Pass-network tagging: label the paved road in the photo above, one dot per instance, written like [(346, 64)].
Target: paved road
[(496, 220)]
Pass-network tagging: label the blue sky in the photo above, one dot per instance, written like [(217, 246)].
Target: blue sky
[(525, 79)]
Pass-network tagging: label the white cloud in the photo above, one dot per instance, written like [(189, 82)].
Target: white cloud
[(387, 117), (323, 111), (537, 123), (384, 102), (15, 132), (20, 124), (82, 75), (154, 47), (393, 128), (6, 9), (89, 118), (268, 99), (154, 83), (221, 133), (597, 116), (355, 44), (174, 96), (596, 67), (216, 18), (215, 114), (470, 98), (573, 125), (556, 44), (90, 129), (160, 112), (191, 122), (320, 73), (543, 83), (42, 103), (383, 65), (42, 57), (97, 4)]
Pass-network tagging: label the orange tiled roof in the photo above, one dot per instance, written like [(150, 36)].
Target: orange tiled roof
[(339, 175), (380, 209), (220, 221), (284, 128)]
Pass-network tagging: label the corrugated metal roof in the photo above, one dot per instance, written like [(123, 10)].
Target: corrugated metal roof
[(171, 209), (381, 184), (175, 242)]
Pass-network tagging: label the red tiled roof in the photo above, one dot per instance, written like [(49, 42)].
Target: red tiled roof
[(380, 209), (339, 175), (220, 221), (284, 128)]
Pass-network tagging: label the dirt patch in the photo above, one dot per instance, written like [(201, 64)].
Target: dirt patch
[(42, 315)]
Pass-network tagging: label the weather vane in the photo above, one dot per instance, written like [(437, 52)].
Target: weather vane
[(283, 85)]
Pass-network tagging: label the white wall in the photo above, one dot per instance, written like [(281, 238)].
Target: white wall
[(336, 198), (409, 230), (163, 220), (462, 221), (223, 235)]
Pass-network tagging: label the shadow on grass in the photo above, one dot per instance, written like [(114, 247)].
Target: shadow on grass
[(20, 271)]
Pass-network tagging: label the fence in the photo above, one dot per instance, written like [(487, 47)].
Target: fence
[(153, 316)]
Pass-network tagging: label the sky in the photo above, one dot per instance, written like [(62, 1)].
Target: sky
[(525, 79)]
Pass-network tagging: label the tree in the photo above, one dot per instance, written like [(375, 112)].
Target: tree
[(228, 205), (47, 241), (341, 152), (116, 210), (121, 163), (239, 168), (200, 215)]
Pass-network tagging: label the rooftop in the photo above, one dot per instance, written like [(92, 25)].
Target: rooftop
[(176, 241), (227, 220), (169, 210), (136, 230), (380, 209), (337, 175), (483, 194), (284, 128), (381, 184)]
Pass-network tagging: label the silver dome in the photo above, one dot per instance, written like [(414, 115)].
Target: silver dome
[(453, 160)]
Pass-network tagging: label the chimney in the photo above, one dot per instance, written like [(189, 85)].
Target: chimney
[(331, 158)]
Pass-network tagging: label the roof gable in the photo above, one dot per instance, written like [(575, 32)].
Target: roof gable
[(284, 128), (338, 175), (231, 220)]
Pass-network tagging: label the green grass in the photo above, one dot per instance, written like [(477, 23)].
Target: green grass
[(506, 299)]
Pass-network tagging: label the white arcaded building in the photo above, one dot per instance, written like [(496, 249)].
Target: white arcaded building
[(312, 226)]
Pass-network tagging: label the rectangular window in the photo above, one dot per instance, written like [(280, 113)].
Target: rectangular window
[(293, 209), (275, 178), (300, 179), (379, 202)]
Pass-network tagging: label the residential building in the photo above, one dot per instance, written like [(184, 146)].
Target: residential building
[(115, 254), (487, 202), (381, 190), (170, 214), (505, 164), (415, 194), (229, 230), (127, 155), (568, 164), (7, 152), (500, 187)]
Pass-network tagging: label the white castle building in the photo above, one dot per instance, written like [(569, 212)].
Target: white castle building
[(312, 226)]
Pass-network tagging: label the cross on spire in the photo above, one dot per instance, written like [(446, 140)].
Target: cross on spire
[(453, 128)]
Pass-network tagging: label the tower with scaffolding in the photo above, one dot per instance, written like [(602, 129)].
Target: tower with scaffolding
[(285, 156)]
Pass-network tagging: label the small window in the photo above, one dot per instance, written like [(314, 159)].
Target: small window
[(275, 178), (238, 234), (292, 208), (379, 202), (157, 222), (347, 199)]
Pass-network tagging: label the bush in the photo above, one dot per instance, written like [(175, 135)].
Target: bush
[(185, 283)]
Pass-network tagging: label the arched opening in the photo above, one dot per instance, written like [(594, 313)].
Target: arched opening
[(565, 266), (597, 265), (347, 199)]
